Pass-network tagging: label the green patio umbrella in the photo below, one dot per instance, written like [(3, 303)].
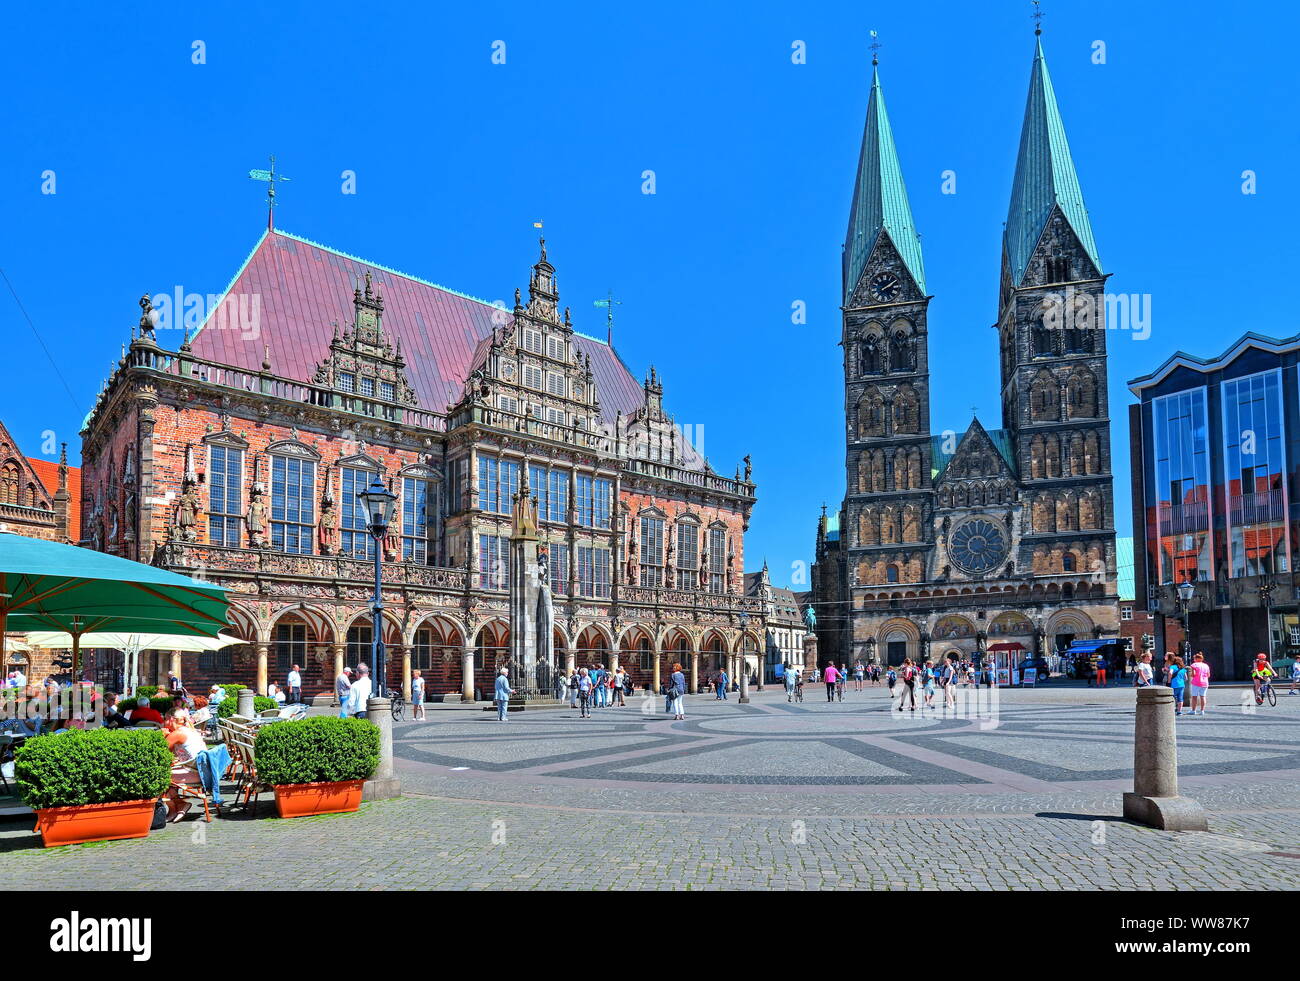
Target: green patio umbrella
[(48, 586)]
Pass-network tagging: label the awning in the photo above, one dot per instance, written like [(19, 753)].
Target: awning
[(1090, 646), (1006, 645)]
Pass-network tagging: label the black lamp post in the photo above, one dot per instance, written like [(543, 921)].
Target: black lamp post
[(379, 502), (1185, 593), (1266, 587)]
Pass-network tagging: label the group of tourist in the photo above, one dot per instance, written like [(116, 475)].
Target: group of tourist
[(593, 687)]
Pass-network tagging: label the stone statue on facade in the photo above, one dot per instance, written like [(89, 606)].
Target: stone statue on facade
[(329, 524), (187, 512), (633, 566), (256, 517)]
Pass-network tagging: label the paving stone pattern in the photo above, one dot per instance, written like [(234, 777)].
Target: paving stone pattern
[(1022, 794)]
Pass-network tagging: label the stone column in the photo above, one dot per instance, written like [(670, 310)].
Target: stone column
[(262, 651), (613, 661), (337, 650), (467, 674), (655, 676), (406, 672), (744, 676), (176, 665), (570, 662), (1155, 800), (383, 784), (695, 672), (160, 670)]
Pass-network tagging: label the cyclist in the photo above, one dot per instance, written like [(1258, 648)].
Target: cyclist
[(798, 686), (1259, 676)]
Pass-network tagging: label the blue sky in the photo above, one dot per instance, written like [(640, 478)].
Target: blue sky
[(753, 156)]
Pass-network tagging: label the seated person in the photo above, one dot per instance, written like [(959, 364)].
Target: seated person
[(143, 713), (186, 744), (113, 717), (275, 691), (179, 705)]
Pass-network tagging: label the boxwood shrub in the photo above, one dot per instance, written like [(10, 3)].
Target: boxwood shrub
[(230, 705), (318, 749), (92, 766), (146, 691)]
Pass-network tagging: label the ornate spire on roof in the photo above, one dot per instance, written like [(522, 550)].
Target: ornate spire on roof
[(880, 202), (1045, 176), (543, 294)]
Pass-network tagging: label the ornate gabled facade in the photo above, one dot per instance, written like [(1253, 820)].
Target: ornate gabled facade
[(996, 540), (252, 439)]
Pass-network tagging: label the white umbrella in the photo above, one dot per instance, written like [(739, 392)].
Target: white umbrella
[(131, 645)]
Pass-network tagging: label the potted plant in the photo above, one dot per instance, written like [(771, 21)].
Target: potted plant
[(94, 784), (317, 765)]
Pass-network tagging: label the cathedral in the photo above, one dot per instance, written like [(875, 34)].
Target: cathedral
[(992, 543)]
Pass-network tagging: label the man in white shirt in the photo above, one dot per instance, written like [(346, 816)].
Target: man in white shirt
[(359, 693), (295, 685)]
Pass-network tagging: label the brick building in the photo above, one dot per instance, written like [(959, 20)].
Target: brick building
[(990, 539), (38, 499), (237, 457)]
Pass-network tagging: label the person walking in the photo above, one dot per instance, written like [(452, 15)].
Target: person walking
[(1101, 671), (574, 688), (909, 685), (789, 683), (501, 695), (620, 684), (1144, 675), (857, 675), (830, 675), (1199, 684), (417, 694), (342, 685), (927, 686), (1177, 680), (561, 685), (359, 693), (294, 683), (584, 693), (677, 692), (948, 680), (891, 679), (723, 682)]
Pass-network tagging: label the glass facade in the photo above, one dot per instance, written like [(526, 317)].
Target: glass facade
[(417, 501), (1181, 492), (1254, 464), (595, 496)]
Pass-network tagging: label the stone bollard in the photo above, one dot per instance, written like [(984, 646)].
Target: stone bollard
[(744, 685), (382, 784), (245, 703), (1154, 800)]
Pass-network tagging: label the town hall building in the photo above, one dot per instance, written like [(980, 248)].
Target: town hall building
[(992, 540)]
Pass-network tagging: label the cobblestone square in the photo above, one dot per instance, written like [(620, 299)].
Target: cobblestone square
[(768, 795)]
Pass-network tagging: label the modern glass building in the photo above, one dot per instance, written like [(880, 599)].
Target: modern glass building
[(1216, 499)]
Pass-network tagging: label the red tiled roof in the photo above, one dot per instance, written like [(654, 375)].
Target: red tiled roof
[(303, 288), (48, 472)]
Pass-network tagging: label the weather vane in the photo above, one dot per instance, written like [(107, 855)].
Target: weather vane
[(609, 303), (1038, 17), (271, 177), (875, 47)]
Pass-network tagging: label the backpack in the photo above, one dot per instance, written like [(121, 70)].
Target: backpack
[(907, 674)]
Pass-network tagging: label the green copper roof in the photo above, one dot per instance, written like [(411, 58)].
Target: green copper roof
[(1044, 176), (880, 199), (943, 448)]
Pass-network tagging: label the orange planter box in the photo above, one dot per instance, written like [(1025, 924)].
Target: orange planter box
[(302, 799), (94, 822)]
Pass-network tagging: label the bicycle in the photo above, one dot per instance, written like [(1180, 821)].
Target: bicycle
[(798, 691), (839, 690), (398, 705), (1266, 691)]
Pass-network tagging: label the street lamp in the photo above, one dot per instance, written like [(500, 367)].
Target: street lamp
[(744, 661), (1185, 593), (1266, 587), (379, 502)]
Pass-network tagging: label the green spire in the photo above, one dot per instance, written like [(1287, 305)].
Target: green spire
[(1045, 177), (880, 199)]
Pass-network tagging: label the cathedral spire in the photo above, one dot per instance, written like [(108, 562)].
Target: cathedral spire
[(1045, 177), (880, 198)]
